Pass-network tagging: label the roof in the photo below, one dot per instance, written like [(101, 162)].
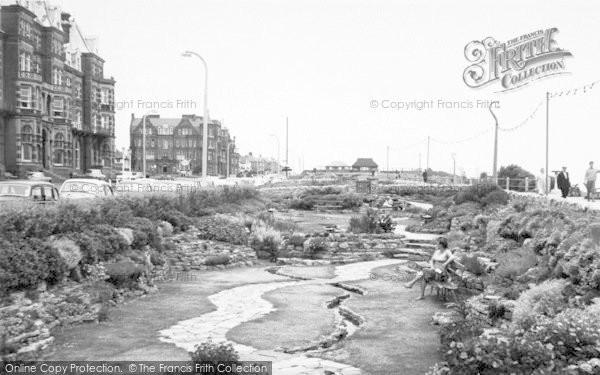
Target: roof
[(26, 182), (337, 164), (93, 181), (364, 163), (156, 121)]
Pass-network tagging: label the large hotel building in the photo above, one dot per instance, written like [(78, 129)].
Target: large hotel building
[(56, 105), (174, 145)]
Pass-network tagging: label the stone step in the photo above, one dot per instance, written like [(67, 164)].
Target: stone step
[(419, 245)]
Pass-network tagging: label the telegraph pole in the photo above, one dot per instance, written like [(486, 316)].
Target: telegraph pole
[(286, 147), (495, 171), (387, 168), (428, 139), (547, 138)]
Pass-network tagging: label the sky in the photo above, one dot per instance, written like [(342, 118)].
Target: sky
[(322, 65)]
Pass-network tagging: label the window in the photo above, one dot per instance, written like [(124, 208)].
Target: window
[(58, 107), (26, 146), (25, 98), (25, 62), (36, 193), (165, 144), (59, 157), (104, 96)]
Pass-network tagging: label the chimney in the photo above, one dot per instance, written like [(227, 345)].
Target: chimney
[(65, 22)]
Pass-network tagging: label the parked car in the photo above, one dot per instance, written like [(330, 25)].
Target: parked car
[(85, 188), (126, 176), (28, 190), (38, 176), (95, 173)]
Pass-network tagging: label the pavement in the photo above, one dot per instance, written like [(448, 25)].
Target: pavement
[(238, 305), (555, 196)]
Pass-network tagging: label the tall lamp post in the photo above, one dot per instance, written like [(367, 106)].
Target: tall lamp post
[(454, 168), (495, 172), (205, 117), (278, 161)]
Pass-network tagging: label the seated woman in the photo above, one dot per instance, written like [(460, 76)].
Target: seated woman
[(440, 259)]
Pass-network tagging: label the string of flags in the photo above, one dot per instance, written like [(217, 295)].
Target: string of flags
[(579, 90), (475, 136), (525, 121), (411, 146)]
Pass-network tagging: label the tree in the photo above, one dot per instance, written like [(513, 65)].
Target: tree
[(517, 176)]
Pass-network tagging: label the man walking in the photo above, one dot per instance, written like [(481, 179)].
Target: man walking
[(425, 176), (563, 182), (541, 182), (590, 181)]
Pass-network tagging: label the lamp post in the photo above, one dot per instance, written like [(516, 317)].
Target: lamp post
[(278, 162), (205, 117), (454, 168), (495, 176)]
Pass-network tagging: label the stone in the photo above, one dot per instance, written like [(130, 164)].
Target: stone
[(69, 251), (127, 234), (166, 228)]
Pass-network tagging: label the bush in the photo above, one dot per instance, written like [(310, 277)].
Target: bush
[(371, 222), (145, 233), (222, 229), (265, 240), (484, 193), (302, 204), (515, 263), (217, 260), (495, 197), (472, 264), (296, 240), (545, 299), (212, 353), (314, 246), (25, 264), (124, 273)]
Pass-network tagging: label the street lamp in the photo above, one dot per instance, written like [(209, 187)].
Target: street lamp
[(144, 140), (495, 141), (278, 162), (454, 168), (205, 117)]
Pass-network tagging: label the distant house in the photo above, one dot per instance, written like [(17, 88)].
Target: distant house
[(364, 165), (337, 166)]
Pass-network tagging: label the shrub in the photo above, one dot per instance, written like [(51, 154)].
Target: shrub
[(515, 263), (472, 264), (144, 233), (371, 222), (23, 265), (213, 353), (265, 240), (297, 239), (495, 197), (223, 229), (545, 299), (302, 204), (217, 260), (314, 246), (124, 273)]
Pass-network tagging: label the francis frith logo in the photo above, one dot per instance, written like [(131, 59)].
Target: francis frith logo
[(514, 63)]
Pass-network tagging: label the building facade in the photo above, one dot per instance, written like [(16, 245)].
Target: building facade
[(258, 164), (57, 110), (174, 145)]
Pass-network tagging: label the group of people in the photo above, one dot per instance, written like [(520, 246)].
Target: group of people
[(563, 182)]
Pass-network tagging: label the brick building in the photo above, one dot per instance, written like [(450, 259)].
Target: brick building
[(175, 144), (56, 106)]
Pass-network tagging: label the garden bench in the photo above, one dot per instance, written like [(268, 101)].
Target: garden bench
[(444, 289)]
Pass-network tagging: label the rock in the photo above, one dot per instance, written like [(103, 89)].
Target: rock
[(444, 317), (127, 234), (166, 228), (68, 250)]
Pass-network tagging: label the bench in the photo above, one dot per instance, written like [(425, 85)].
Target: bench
[(444, 289)]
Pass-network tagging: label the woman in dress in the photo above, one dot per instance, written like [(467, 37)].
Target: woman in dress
[(541, 182), (440, 259)]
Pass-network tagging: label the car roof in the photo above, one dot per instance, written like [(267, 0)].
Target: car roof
[(94, 181), (26, 182)]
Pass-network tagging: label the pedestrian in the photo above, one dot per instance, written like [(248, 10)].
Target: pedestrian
[(590, 181), (563, 182), (425, 176), (541, 182)]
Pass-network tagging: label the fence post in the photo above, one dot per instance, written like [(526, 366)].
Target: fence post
[(507, 183), (526, 184)]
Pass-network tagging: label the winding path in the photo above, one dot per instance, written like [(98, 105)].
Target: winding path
[(241, 304)]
